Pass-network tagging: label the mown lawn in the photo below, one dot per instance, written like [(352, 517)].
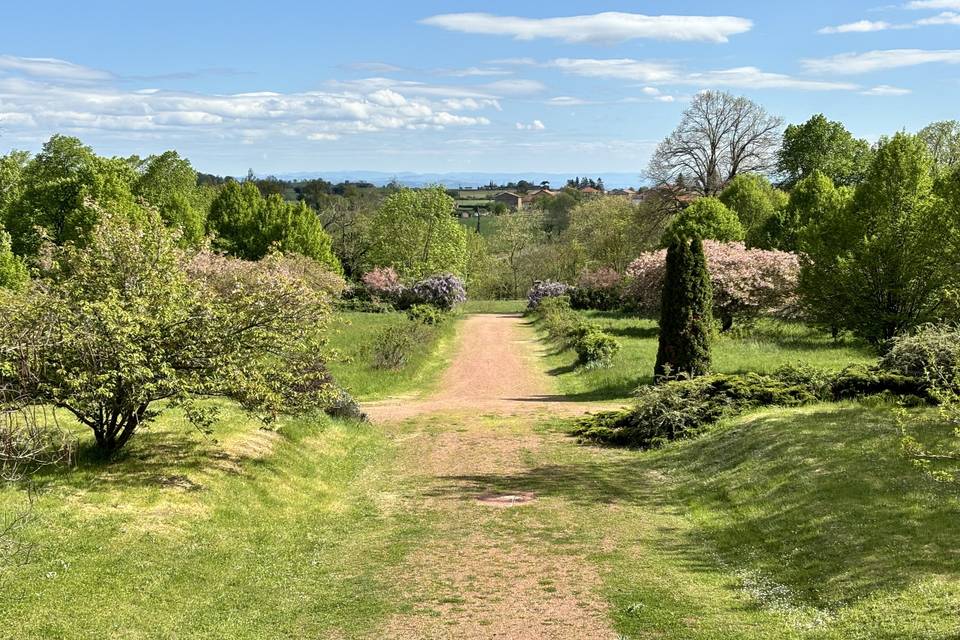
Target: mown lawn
[(352, 338), (494, 306), (764, 348), (256, 535)]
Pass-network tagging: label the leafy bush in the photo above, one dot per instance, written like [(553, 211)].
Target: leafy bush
[(595, 348), (425, 314), (383, 284), (599, 289), (546, 289), (932, 350), (13, 271), (746, 282), (443, 292), (682, 408), (557, 316), (706, 218), (393, 346)]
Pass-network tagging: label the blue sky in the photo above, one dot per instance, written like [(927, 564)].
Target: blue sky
[(455, 86)]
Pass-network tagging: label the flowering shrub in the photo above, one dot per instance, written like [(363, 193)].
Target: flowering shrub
[(746, 282), (547, 289), (383, 283), (443, 292), (598, 289)]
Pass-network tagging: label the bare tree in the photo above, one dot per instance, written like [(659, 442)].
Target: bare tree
[(719, 136)]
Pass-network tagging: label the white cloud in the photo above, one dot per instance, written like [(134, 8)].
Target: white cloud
[(53, 69), (607, 27), (861, 26), (855, 63), (374, 67), (536, 125), (567, 101), (934, 4), (471, 72), (885, 90), (661, 73), (520, 62), (515, 87), (318, 137), (947, 17)]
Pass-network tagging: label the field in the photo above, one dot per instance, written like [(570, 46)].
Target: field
[(762, 349), (488, 224)]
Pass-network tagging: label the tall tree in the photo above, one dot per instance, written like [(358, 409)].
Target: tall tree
[(169, 184), (719, 137), (825, 146), (686, 317), (943, 142), (754, 200), (706, 218)]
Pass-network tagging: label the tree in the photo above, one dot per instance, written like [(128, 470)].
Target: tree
[(943, 142), (13, 271), (556, 209), (348, 222), (754, 200), (686, 321), (169, 183), (719, 137), (706, 218), (825, 146), (609, 231), (516, 237), (886, 262), (131, 320), (812, 199), (12, 167), (416, 233)]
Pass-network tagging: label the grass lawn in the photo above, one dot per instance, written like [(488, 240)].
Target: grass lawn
[(494, 306), (258, 535), (352, 338), (767, 347), (488, 224)]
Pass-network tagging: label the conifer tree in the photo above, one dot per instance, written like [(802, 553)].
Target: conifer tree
[(686, 318)]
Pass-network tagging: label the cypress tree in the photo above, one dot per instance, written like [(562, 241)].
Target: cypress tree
[(686, 317)]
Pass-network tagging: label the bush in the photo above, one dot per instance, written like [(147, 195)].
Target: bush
[(595, 348), (599, 290), (443, 292), (546, 289), (682, 408), (932, 350), (706, 218), (425, 314), (393, 346), (557, 317), (746, 282), (383, 284)]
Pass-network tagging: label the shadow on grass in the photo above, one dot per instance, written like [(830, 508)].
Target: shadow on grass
[(818, 500)]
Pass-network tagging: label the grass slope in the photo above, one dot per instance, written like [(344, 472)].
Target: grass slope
[(764, 349)]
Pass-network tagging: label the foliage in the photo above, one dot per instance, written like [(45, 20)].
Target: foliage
[(516, 239), (415, 233), (599, 289), (383, 284), (595, 348), (13, 271), (249, 226), (425, 314), (609, 231), (541, 290), (943, 142), (746, 282), (825, 146), (683, 408), (706, 218), (443, 292), (686, 320), (168, 183), (719, 137), (393, 346), (754, 200), (886, 262), (813, 200), (131, 320), (929, 351)]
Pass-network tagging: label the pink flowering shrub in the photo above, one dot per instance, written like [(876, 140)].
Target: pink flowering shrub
[(383, 283), (598, 289), (746, 282)]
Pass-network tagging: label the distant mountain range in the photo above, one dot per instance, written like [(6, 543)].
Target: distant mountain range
[(466, 179)]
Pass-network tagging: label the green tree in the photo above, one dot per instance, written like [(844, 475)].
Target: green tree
[(886, 262), (12, 167), (169, 183), (826, 146), (517, 236), (13, 271), (754, 200), (686, 318), (943, 142), (609, 232), (706, 218), (415, 232), (814, 198), (131, 320)]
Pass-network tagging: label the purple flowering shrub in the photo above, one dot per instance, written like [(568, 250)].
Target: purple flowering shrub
[(443, 292), (546, 289)]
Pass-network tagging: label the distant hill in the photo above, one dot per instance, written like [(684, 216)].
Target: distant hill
[(467, 179)]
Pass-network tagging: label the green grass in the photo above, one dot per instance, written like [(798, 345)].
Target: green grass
[(352, 338), (283, 536), (768, 346), (488, 224), (494, 306)]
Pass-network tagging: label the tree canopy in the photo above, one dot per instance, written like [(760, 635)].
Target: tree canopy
[(825, 146)]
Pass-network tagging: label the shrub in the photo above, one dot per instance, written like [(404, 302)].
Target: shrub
[(706, 218), (595, 348), (682, 408), (685, 319), (557, 317), (443, 292), (393, 346), (746, 282), (425, 314), (383, 283), (599, 289), (931, 350), (546, 289)]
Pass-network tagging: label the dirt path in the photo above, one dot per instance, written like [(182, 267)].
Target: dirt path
[(493, 566), (494, 371)]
